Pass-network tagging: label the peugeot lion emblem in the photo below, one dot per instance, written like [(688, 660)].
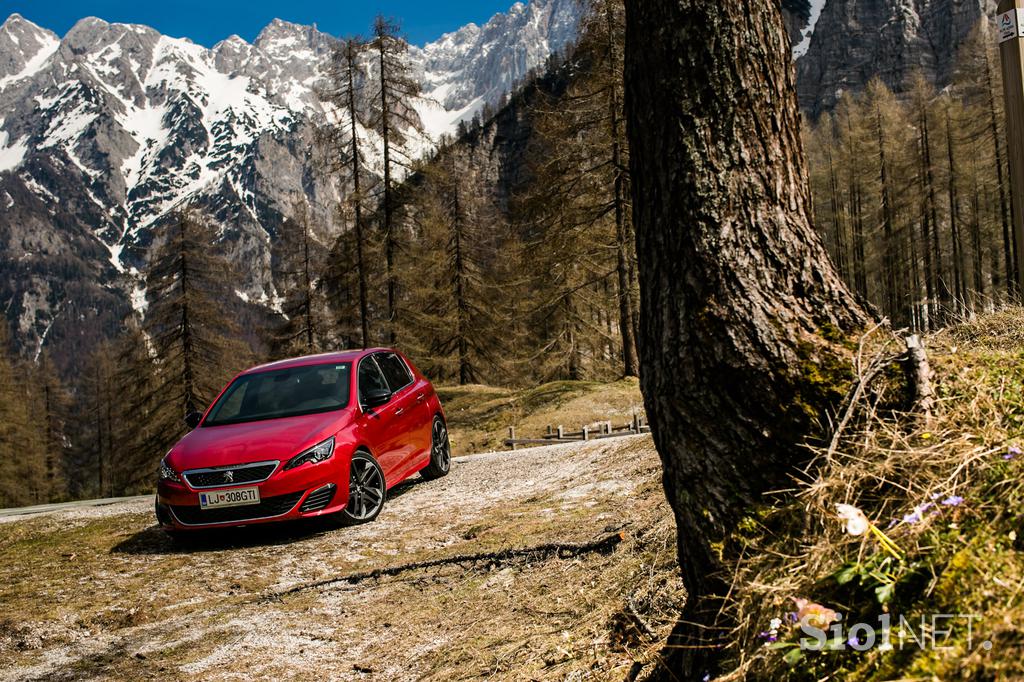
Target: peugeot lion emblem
[(229, 476)]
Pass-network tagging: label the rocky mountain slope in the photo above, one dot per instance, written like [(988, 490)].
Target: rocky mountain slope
[(851, 41), (110, 129)]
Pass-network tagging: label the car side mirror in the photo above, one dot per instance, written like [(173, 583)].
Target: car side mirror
[(376, 398), (193, 418)]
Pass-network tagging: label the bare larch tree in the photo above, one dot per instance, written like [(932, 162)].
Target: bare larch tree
[(342, 91), (393, 121)]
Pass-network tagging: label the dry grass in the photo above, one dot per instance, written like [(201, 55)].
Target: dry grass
[(479, 416), (957, 559)]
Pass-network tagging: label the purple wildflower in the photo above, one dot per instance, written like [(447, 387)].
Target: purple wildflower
[(916, 515), (1012, 452), (952, 501)]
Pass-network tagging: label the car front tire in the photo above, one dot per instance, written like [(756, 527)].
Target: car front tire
[(367, 490)]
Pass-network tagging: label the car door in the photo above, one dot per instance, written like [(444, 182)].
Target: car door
[(409, 407), (382, 425)]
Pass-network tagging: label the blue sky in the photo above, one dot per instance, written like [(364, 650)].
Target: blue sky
[(208, 22)]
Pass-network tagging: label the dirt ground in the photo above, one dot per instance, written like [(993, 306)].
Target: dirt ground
[(549, 563)]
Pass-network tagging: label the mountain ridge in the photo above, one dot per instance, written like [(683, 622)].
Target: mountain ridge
[(113, 127)]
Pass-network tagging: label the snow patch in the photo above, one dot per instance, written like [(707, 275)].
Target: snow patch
[(11, 155), (800, 49), (139, 302), (46, 332), (35, 63)]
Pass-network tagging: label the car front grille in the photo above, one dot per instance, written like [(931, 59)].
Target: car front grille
[(232, 475), (319, 498), (194, 515)]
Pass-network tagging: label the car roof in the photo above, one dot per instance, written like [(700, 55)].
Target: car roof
[(319, 359)]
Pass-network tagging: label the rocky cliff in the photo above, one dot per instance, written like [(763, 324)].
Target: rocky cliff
[(854, 40)]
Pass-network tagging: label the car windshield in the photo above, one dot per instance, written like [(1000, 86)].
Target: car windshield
[(282, 393)]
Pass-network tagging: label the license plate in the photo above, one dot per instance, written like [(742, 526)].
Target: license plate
[(229, 498)]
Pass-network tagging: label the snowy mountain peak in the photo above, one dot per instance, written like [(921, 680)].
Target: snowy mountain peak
[(23, 48), (107, 132)]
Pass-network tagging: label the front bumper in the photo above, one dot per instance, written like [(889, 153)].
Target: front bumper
[(307, 491)]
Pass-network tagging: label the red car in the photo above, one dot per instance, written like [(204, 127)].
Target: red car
[(312, 436)]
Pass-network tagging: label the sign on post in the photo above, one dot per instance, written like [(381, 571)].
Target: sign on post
[(1010, 27)]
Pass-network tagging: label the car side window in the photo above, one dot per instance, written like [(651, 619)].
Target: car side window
[(370, 378), (395, 371)]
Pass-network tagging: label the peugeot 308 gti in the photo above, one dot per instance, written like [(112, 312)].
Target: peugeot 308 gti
[(319, 435)]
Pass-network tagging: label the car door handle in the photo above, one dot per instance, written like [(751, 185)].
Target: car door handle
[(420, 397), (399, 411)]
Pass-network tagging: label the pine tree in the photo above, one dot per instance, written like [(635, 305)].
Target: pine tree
[(394, 119), (299, 262), (451, 311), (577, 201), (979, 81), (97, 443), (52, 404), (343, 92), (24, 476), (195, 343)]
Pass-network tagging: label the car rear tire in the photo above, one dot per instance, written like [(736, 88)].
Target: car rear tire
[(366, 492), (440, 452)]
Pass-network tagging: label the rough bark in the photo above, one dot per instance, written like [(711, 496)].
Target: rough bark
[(737, 292)]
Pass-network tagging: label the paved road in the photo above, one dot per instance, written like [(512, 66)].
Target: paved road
[(79, 504), (61, 506)]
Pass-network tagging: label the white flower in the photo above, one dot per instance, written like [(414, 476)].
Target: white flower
[(775, 624), (856, 522)]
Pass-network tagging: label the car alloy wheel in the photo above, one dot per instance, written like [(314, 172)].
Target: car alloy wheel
[(440, 451), (366, 489)]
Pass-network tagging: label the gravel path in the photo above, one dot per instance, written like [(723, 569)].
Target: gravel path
[(96, 591)]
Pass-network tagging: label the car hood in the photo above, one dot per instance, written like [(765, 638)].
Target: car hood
[(281, 439)]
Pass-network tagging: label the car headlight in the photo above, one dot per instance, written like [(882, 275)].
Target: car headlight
[(167, 473), (317, 453)]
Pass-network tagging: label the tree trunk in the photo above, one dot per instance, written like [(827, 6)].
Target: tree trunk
[(838, 223), (926, 239), (630, 362), (389, 236), (888, 230), (736, 288), (364, 323), (1009, 252), (462, 312), (954, 220), (941, 289)]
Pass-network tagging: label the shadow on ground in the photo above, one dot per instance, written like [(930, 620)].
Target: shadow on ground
[(153, 540)]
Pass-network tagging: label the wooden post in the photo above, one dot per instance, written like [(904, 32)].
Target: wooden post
[(1010, 30), (635, 428), (561, 432), (512, 436), (586, 432), (549, 429)]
